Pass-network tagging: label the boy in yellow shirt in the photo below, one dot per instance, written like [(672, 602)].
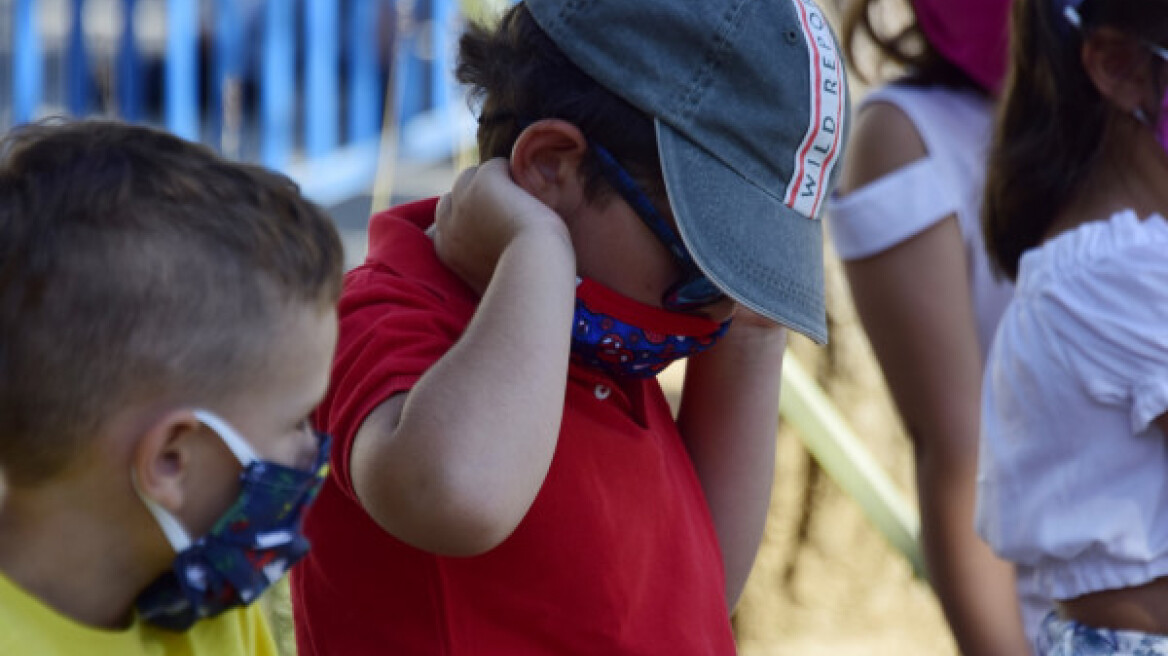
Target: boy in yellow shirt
[(167, 322)]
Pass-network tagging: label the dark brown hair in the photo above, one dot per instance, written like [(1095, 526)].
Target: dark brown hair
[(909, 48), (1053, 122), (517, 75), (136, 265)]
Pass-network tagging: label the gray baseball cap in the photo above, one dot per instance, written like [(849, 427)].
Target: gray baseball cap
[(750, 103)]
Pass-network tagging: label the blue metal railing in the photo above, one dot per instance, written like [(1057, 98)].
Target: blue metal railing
[(278, 75), (283, 82), (26, 61), (182, 67), (321, 83)]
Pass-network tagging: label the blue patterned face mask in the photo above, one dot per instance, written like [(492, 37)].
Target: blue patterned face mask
[(251, 546), (623, 337)]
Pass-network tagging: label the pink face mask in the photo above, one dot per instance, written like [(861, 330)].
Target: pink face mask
[(972, 34)]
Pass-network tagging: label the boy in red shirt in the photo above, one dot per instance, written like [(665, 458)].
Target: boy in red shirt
[(508, 476)]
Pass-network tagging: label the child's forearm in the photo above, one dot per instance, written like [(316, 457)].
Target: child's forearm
[(729, 419), (975, 588), (460, 465)]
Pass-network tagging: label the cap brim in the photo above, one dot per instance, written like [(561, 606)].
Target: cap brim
[(762, 253)]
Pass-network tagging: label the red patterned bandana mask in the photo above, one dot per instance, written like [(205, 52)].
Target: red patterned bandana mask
[(623, 337)]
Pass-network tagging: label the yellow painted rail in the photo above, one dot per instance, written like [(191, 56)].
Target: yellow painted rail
[(837, 448)]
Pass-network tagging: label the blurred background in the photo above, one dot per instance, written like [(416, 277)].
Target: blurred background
[(354, 99)]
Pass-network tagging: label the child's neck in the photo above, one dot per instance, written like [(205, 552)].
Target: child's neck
[(70, 557), (1129, 175)]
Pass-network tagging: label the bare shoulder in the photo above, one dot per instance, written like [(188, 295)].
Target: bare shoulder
[(883, 141)]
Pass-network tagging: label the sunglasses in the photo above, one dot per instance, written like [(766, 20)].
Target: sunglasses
[(694, 290)]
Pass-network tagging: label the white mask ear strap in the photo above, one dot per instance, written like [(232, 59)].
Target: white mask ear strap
[(178, 537), (234, 441)]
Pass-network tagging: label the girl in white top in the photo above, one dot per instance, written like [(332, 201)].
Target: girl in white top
[(1073, 481), (907, 226)]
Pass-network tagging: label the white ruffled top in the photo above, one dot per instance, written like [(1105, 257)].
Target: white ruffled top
[(1073, 478)]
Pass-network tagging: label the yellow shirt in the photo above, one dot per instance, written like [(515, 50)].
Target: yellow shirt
[(30, 628)]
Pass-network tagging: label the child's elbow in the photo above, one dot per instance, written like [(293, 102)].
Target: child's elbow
[(464, 525), (445, 519)]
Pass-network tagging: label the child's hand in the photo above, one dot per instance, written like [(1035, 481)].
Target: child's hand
[(483, 214)]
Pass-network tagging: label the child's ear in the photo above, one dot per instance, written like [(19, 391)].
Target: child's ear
[(545, 161), (1119, 68), (163, 457)]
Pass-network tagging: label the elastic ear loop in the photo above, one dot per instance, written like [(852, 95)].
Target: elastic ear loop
[(1071, 12), (178, 537), (1139, 113), (1072, 16), (234, 441)]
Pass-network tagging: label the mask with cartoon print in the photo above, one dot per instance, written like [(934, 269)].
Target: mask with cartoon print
[(625, 338), (249, 548)]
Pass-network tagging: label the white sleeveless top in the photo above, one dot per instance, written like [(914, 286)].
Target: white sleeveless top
[(956, 128), (1073, 473)]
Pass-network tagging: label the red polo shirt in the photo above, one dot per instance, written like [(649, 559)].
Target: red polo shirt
[(617, 554)]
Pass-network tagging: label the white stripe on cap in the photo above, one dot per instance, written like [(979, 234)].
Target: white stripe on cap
[(819, 151)]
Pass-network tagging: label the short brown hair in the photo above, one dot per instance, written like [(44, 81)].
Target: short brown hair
[(133, 265), (1053, 122), (518, 75)]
